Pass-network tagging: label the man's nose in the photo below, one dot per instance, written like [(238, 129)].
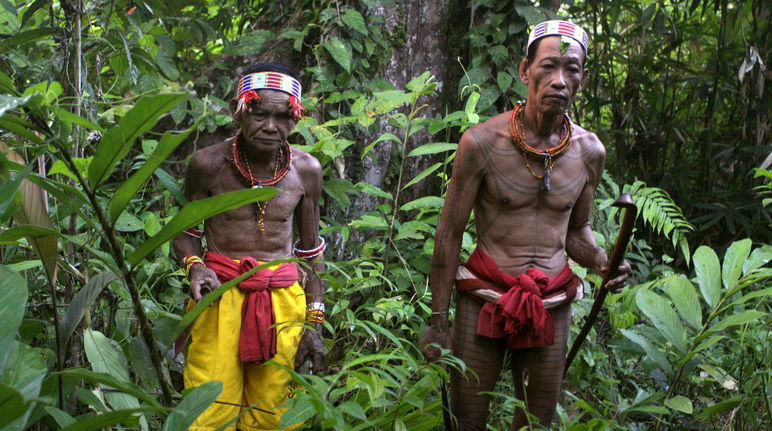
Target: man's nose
[(559, 82)]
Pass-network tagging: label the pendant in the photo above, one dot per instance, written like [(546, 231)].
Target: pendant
[(547, 170)]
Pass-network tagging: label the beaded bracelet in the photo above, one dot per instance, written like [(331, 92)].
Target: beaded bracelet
[(315, 312), (189, 261), (308, 254)]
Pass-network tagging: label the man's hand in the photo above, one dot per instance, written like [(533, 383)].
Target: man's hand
[(435, 334), (202, 281), (310, 344), (615, 285)]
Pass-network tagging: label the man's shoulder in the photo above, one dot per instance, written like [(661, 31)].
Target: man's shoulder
[(588, 142), (211, 157), (306, 163), (488, 133)]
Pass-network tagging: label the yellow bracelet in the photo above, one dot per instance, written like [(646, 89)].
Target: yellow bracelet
[(189, 261)]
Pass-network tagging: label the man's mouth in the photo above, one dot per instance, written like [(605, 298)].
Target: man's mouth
[(558, 96)]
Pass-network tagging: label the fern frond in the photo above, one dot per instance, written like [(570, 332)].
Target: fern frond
[(661, 214)]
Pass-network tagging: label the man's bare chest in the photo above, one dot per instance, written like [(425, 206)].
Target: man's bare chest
[(512, 182)]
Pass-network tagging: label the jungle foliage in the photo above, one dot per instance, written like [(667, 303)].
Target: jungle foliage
[(102, 102)]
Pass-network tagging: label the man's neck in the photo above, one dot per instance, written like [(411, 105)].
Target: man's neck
[(258, 156), (542, 125)]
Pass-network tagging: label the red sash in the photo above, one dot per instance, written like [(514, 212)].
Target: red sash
[(257, 342), (519, 315)]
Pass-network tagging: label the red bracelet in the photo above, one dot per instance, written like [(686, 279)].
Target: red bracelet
[(307, 254)]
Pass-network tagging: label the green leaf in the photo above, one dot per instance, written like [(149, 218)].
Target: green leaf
[(425, 173), (81, 302), (736, 319), (680, 403), (27, 36), (339, 53), (197, 211), (684, 297), (372, 190), (107, 358), (169, 142), (61, 417), (354, 19), (128, 223), (433, 148), (106, 420), (662, 317), (111, 381), (299, 412), (385, 137), (117, 141), (8, 103), (651, 350), (71, 118), (423, 203), (12, 404), (504, 80), (706, 266), (10, 236), (733, 262), (13, 298), (760, 257), (719, 407), (191, 407)]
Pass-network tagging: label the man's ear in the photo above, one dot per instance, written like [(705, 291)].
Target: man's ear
[(233, 104), (523, 70)]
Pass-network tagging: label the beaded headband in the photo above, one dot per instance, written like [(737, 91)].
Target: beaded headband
[(246, 91), (558, 28)]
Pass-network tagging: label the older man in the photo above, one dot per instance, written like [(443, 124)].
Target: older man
[(530, 175), (263, 319)]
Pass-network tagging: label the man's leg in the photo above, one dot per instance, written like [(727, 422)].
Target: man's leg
[(481, 355), (538, 373)]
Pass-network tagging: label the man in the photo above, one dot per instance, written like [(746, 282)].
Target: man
[(263, 318), (530, 176)]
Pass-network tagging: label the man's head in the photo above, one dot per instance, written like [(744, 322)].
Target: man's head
[(553, 67), (267, 105)]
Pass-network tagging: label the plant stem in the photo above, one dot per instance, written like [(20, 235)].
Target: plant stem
[(126, 273)]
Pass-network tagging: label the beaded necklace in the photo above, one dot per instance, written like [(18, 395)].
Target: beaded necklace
[(283, 160), (517, 133)]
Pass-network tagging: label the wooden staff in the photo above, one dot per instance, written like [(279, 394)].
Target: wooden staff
[(624, 201)]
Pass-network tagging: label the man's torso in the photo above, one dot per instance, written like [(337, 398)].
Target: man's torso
[(519, 224)]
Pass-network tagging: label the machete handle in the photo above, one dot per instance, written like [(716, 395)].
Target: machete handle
[(625, 232)]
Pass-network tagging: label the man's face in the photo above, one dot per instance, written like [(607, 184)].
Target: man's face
[(267, 124), (556, 74)]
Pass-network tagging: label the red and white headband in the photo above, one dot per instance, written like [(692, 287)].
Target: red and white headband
[(248, 85), (558, 28)]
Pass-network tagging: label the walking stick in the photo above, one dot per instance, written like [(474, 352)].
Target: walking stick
[(447, 416), (624, 201)]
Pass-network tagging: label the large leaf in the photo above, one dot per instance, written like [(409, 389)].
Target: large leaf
[(26, 36), (12, 405), (111, 381), (117, 142), (684, 297), (81, 302), (734, 259), (339, 53), (708, 270), (34, 212), (169, 142), (651, 350), (107, 358), (191, 407), (13, 298), (680, 403), (736, 319), (197, 211), (760, 257), (662, 317), (106, 420), (24, 372)]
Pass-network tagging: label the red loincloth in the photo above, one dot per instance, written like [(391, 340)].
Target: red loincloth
[(519, 315), (257, 342)]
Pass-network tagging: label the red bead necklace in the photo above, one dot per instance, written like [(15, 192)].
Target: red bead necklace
[(283, 160)]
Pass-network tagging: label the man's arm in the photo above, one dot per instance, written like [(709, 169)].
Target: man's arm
[(307, 219), (580, 242), (185, 245), (468, 168)]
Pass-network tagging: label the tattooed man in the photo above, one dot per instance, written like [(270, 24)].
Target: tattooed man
[(530, 175), (262, 319)]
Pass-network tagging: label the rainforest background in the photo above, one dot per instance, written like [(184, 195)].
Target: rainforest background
[(103, 102)]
